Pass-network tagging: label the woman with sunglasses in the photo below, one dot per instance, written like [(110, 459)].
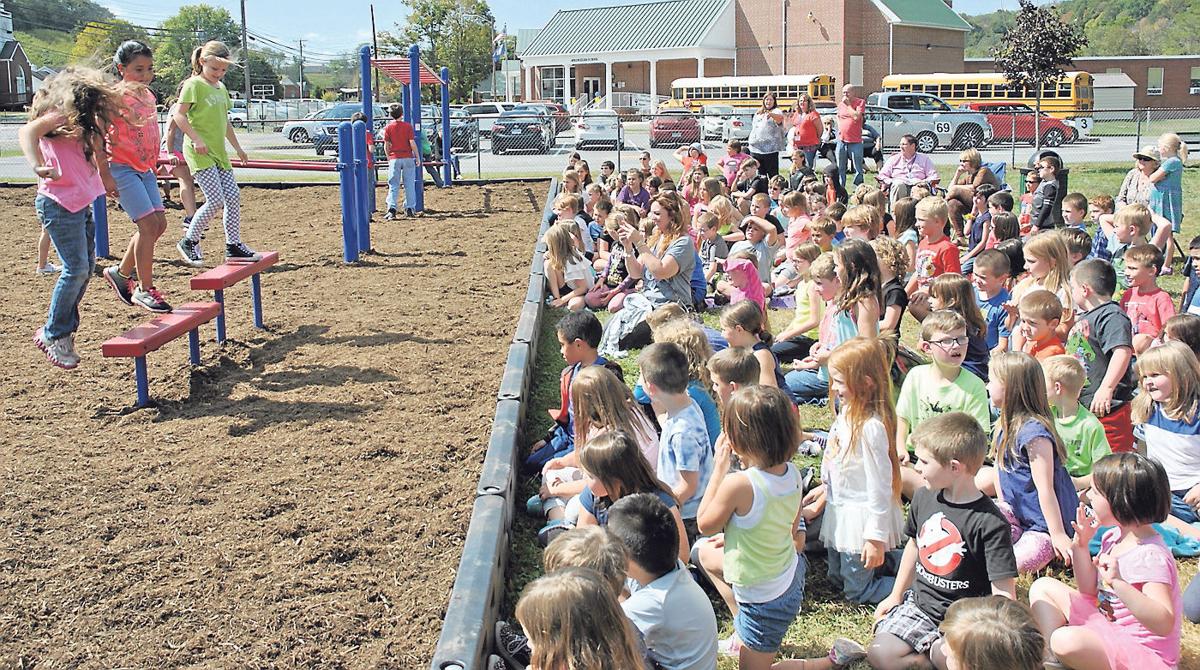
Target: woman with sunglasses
[(971, 174)]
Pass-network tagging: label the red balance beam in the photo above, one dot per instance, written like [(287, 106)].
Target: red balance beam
[(310, 166), (150, 336), (224, 276)]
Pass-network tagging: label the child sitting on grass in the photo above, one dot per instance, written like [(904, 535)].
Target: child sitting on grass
[(1040, 313), (572, 616), (578, 336), (893, 264), (990, 276), (992, 632), (568, 273), (669, 609), (1081, 432), (959, 546), (1147, 306), (936, 254), (732, 369)]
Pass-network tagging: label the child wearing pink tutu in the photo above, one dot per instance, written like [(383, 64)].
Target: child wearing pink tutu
[(1127, 612)]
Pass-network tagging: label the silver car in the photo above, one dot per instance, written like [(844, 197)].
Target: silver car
[(712, 120), (737, 127), (892, 126), (599, 126), (951, 128)]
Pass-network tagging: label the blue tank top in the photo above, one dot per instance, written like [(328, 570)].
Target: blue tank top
[(779, 378)]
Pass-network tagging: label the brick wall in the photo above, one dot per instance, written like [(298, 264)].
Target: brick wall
[(1176, 77)]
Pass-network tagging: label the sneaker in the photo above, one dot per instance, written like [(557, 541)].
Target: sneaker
[(409, 212), (241, 252), (190, 252), (512, 646), (151, 299), (390, 216), (60, 352), (121, 285), (730, 646), (48, 269), (844, 652)]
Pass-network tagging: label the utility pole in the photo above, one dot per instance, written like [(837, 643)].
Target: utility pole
[(301, 69), (375, 50), (246, 70)]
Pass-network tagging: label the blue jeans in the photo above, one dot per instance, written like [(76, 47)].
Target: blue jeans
[(1181, 510), (806, 384), (810, 157), (855, 151), (406, 169), (761, 626), (74, 237), (1191, 601), (859, 584)]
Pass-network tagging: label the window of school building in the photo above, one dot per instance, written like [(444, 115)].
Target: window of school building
[(1154, 81)]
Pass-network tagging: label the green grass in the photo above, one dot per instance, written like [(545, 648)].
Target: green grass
[(1150, 128), (825, 615)]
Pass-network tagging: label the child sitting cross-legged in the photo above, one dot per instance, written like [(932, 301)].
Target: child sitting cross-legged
[(990, 276), (959, 546), (669, 609), (1127, 610), (1040, 313), (935, 254), (1081, 432), (568, 272), (1036, 492), (755, 518), (954, 292)]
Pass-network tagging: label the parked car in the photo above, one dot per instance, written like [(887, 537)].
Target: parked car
[(327, 139), (464, 130), (737, 126), (892, 126), (237, 114), (674, 127), (562, 118), (712, 120), (1017, 121), (953, 130), (524, 128), (302, 131), (599, 126), (486, 113)]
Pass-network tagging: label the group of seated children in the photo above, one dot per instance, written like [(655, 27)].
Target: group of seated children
[(1057, 421)]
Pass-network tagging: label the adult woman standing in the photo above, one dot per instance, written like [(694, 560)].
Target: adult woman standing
[(807, 124), (1137, 187), (971, 174), (767, 136)]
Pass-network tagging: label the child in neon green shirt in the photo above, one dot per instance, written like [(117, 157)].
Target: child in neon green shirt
[(1081, 432)]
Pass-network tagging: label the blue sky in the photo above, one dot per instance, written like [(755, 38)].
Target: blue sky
[(333, 27)]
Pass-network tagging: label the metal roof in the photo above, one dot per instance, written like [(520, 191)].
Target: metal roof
[(672, 24), (397, 68), (922, 13), (1112, 80)]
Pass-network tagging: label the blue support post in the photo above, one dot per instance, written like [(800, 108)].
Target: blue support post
[(404, 104), (256, 300), (414, 102), (368, 108), (100, 216), (143, 381), (219, 296), (349, 190), (362, 177), (194, 345), (447, 138)]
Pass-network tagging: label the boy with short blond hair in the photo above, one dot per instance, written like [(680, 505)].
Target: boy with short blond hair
[(936, 254), (732, 369), (1081, 432), (823, 230), (588, 547), (959, 546), (1147, 306), (1102, 340), (861, 222), (1040, 313), (1074, 211), (1079, 243), (1100, 207), (1129, 227)]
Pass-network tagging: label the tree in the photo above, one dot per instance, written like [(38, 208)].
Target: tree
[(453, 33), (97, 42), (192, 26), (1034, 52)]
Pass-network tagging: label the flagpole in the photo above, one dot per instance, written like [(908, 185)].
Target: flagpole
[(495, 60)]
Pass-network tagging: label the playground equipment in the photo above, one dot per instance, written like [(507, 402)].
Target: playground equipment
[(223, 276), (137, 342), (356, 180)]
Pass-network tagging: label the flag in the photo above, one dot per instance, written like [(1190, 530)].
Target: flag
[(500, 46)]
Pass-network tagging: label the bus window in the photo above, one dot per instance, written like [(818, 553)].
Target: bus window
[(972, 90), (985, 91), (959, 90)]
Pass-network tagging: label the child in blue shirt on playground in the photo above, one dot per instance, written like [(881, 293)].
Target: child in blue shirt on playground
[(578, 337)]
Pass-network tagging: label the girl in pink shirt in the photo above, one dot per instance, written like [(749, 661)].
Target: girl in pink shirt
[(133, 156), (63, 144), (1127, 612)]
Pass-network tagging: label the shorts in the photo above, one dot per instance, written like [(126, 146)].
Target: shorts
[(1118, 428), (761, 626), (907, 622), (137, 191), (1181, 510)]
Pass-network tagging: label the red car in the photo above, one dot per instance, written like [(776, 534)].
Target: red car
[(676, 127), (1001, 117)]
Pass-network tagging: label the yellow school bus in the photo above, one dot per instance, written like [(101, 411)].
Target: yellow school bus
[(1070, 98), (747, 92)]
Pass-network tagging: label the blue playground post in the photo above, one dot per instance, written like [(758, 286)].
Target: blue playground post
[(404, 104), (414, 102), (447, 140), (100, 217), (361, 172), (345, 168), (368, 108)]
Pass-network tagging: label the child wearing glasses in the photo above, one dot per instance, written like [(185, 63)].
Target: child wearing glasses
[(939, 387)]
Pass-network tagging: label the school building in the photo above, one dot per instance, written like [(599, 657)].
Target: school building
[(1158, 81), (627, 53)]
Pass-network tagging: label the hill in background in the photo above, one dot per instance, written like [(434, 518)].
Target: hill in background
[(1113, 27)]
